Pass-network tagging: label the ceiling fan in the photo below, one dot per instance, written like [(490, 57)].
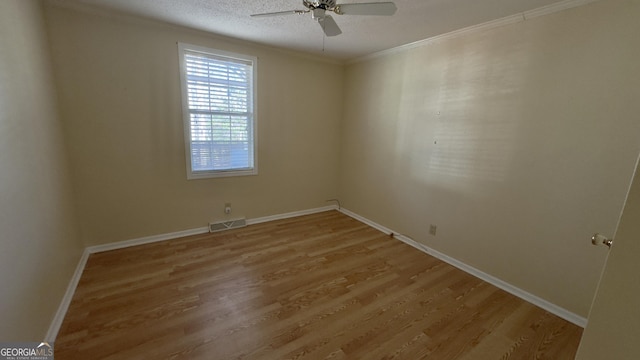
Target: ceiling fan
[(318, 9)]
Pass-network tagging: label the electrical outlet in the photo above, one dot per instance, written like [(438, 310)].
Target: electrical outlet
[(227, 208), (432, 229)]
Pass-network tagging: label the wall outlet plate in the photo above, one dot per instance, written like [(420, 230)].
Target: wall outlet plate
[(432, 229)]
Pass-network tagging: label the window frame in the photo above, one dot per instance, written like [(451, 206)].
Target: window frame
[(183, 48)]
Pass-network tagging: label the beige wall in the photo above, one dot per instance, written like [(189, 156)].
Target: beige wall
[(39, 247), (118, 85), (517, 142)]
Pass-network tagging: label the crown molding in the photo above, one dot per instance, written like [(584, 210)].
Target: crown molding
[(511, 19)]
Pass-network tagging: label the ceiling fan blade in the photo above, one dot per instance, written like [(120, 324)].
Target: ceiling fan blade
[(329, 26), (381, 8), (290, 12)]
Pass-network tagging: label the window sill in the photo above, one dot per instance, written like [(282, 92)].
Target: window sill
[(195, 175)]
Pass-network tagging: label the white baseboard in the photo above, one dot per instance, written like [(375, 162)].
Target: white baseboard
[(291, 214), (146, 240), (54, 327), (198, 231), (73, 283), (533, 299)]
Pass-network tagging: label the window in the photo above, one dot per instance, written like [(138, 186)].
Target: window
[(218, 100)]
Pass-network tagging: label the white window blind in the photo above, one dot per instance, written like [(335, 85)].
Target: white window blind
[(218, 92)]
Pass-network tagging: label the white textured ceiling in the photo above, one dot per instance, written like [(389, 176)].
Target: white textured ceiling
[(362, 35)]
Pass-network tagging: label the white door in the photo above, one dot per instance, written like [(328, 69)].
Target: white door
[(613, 329)]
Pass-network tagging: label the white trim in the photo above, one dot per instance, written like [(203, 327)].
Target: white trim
[(198, 231), (183, 48), (56, 323), (146, 240), (291, 214), (363, 219), (554, 8), (533, 299), (511, 19)]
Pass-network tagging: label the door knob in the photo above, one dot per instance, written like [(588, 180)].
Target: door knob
[(598, 239)]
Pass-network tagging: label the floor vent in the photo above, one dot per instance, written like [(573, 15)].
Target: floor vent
[(226, 225)]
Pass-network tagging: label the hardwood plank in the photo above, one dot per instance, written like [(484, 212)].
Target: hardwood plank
[(322, 286)]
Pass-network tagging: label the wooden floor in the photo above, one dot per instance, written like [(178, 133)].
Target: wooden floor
[(322, 286)]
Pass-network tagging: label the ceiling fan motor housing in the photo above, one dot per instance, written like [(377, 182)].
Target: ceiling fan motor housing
[(320, 4), (319, 8)]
